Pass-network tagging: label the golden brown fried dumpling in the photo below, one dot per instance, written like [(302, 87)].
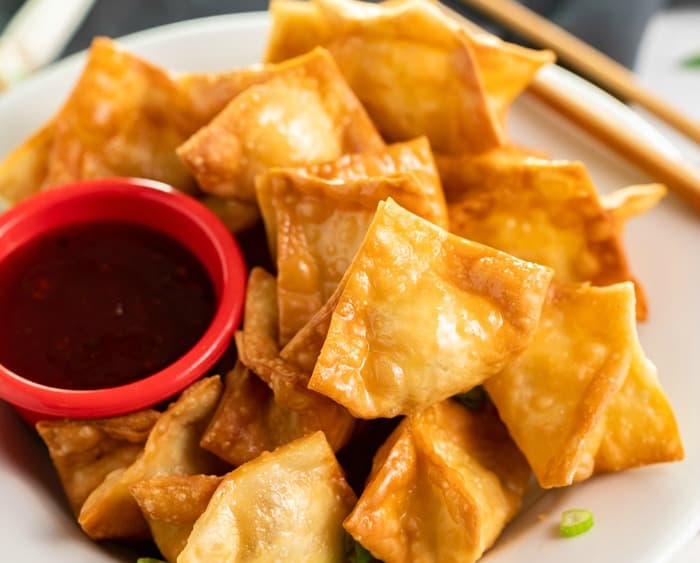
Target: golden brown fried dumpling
[(84, 452), (248, 421), (553, 397), (287, 505), (260, 413), (506, 69), (442, 487), (171, 449), (426, 68), (171, 506), (423, 79), (305, 410), (304, 112), (208, 93), (23, 171), (539, 210), (561, 398), (424, 315), (413, 156), (125, 117), (640, 427), (319, 225)]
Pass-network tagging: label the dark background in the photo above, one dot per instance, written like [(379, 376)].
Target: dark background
[(613, 26)]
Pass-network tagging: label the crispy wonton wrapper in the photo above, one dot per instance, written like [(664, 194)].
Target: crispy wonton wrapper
[(413, 156), (171, 449), (255, 415), (84, 452), (543, 211), (442, 487), (171, 506), (428, 75), (125, 117), (424, 315), (24, 169), (640, 427), (561, 398), (304, 112), (287, 505), (235, 214), (320, 224)]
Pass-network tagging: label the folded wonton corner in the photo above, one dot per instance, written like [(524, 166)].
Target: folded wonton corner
[(582, 398), (423, 315), (442, 487), (84, 452), (171, 449), (304, 112), (316, 224), (171, 505), (545, 211), (285, 505), (429, 75)]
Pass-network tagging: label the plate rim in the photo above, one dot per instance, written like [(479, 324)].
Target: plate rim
[(143, 38)]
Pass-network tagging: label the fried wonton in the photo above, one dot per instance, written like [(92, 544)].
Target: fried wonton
[(428, 74), (257, 414), (304, 112), (422, 80), (125, 117), (23, 171), (84, 452), (319, 225), (287, 378), (413, 156), (561, 398), (640, 427), (248, 421), (442, 487), (171, 449), (543, 211), (424, 315), (210, 92), (287, 505), (171, 506)]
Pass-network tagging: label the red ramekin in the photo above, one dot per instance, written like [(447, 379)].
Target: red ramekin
[(163, 209)]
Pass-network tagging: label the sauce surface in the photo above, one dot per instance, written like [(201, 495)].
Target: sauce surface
[(100, 304)]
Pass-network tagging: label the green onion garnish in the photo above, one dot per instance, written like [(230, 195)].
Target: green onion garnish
[(473, 399), (575, 521), (693, 61), (355, 551), (149, 560)]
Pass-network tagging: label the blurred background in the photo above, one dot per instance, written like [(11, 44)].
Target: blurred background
[(613, 26)]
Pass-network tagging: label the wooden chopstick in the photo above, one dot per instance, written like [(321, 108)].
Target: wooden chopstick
[(678, 175), (585, 59)]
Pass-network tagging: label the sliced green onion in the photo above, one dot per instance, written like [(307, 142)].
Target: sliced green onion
[(575, 521), (692, 61), (355, 551), (361, 555), (473, 399), (149, 560)]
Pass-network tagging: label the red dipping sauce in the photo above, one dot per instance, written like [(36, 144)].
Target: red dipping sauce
[(99, 305)]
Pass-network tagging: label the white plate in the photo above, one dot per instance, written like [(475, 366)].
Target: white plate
[(643, 515)]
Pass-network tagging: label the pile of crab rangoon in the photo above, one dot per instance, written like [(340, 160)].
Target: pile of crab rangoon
[(419, 255)]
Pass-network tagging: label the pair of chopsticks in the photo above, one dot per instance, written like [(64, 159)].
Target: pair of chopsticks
[(680, 176), (37, 34)]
